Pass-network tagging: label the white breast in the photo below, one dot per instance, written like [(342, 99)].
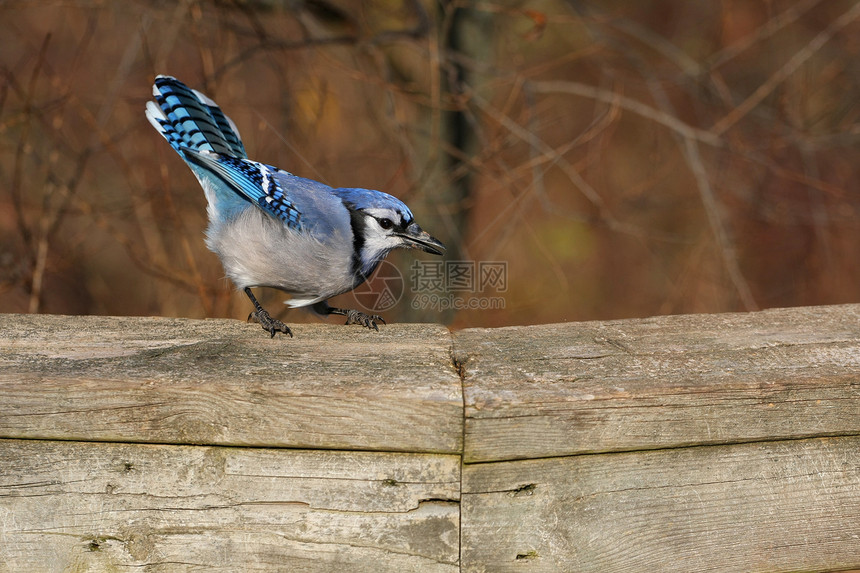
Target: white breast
[(257, 250)]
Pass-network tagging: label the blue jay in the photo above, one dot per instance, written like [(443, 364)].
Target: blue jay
[(273, 229)]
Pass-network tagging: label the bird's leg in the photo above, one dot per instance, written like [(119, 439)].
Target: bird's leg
[(269, 324), (352, 316)]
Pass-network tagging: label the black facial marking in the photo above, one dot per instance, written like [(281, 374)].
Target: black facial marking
[(358, 225)]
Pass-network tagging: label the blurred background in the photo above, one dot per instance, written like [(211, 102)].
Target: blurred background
[(611, 159)]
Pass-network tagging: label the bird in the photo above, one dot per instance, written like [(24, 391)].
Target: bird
[(273, 229)]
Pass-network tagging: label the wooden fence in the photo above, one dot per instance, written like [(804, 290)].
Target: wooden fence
[(686, 443)]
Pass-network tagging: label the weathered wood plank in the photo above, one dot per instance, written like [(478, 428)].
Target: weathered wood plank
[(564, 389), (225, 382), (73, 506), (779, 506)]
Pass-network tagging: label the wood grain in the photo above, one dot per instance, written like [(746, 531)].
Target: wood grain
[(769, 507), (688, 443), (226, 382), (72, 506), (554, 390)]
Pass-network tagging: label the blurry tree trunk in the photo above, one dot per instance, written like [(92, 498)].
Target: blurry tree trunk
[(464, 37)]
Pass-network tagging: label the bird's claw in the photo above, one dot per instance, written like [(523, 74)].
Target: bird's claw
[(366, 320), (269, 324)]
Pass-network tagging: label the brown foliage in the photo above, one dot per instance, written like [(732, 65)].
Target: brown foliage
[(623, 158)]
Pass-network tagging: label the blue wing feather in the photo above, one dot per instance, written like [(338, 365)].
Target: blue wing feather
[(253, 181)]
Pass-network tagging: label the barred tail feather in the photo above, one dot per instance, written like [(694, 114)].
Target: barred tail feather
[(225, 124), (209, 143), (190, 120)]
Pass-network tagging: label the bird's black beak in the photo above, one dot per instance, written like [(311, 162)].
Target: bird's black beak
[(417, 238)]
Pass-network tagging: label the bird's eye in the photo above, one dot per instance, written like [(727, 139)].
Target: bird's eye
[(386, 223)]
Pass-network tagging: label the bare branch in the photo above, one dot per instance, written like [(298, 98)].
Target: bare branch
[(791, 66), (632, 105)]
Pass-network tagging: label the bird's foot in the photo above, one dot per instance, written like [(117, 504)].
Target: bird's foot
[(269, 324), (366, 320)]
